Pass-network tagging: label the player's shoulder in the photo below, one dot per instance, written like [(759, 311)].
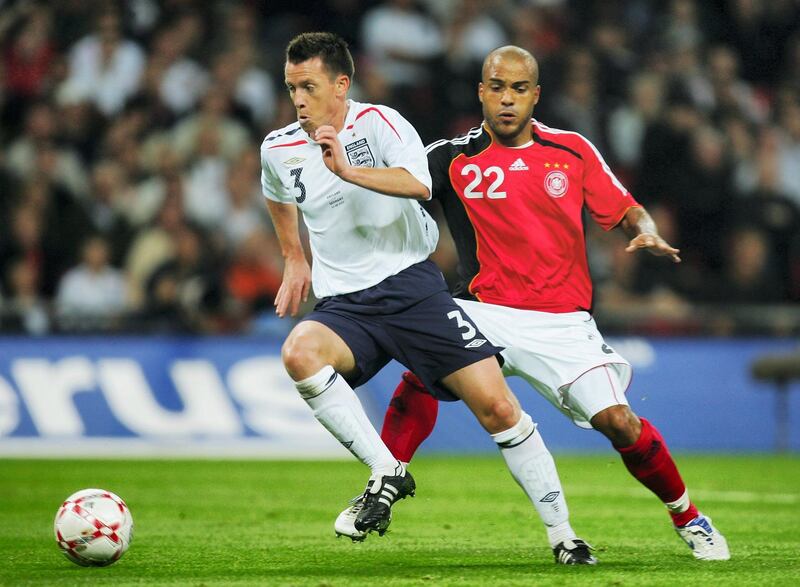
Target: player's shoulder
[(568, 140), (289, 135), (377, 115), (361, 109), (469, 143), (378, 120)]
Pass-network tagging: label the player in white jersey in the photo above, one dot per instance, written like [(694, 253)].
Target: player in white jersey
[(357, 173), (349, 219)]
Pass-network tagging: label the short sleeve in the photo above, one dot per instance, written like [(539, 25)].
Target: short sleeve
[(400, 144), (271, 185), (439, 159), (606, 198)]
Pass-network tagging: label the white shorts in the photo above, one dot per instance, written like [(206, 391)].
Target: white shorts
[(551, 352)]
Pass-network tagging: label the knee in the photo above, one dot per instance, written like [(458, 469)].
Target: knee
[(501, 415), (619, 424), (301, 353)]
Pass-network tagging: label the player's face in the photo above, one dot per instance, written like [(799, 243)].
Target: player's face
[(509, 93), (318, 96)]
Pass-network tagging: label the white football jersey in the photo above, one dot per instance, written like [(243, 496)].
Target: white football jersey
[(358, 237)]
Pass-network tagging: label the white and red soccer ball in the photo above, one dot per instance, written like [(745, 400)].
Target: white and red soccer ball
[(93, 528)]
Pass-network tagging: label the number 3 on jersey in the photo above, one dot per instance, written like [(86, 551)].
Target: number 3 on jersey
[(298, 184), (478, 173), (468, 330)]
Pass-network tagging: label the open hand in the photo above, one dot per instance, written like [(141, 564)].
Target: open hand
[(294, 287), (655, 244)]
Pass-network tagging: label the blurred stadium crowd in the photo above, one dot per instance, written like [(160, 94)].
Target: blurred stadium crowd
[(129, 167)]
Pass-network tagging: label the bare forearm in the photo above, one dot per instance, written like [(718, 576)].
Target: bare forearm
[(284, 219), (392, 181), (643, 232), (637, 221), (296, 272)]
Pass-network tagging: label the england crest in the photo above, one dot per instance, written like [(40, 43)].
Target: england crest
[(359, 154)]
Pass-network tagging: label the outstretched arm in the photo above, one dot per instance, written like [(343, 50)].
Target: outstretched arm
[(296, 271), (643, 232), (392, 181)]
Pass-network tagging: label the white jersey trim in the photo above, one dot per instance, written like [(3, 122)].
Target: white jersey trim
[(617, 183), (473, 133)]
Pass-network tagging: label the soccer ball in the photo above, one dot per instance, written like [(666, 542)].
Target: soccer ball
[(93, 528)]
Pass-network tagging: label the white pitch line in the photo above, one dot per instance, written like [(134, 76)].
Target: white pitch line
[(748, 497), (710, 495)]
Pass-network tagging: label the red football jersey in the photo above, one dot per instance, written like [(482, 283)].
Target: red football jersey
[(516, 215)]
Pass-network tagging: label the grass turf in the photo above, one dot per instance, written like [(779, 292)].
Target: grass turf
[(270, 523)]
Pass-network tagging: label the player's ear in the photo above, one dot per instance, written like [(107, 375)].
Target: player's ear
[(480, 92), (342, 84), (537, 93)]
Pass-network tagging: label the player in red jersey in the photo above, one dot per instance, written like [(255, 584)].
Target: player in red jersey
[(513, 191)]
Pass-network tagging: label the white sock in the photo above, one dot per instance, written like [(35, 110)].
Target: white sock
[(680, 505), (532, 466), (336, 406)]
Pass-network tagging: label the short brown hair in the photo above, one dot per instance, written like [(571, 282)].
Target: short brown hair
[(329, 47)]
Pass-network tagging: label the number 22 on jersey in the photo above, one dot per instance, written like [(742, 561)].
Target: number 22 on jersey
[(477, 174)]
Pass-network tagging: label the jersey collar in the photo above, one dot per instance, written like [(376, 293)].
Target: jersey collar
[(350, 117), (485, 129)]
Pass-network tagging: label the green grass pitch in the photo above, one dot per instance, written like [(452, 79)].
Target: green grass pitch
[(271, 523)]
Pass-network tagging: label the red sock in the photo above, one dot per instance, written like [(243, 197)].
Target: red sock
[(648, 460), (410, 417)]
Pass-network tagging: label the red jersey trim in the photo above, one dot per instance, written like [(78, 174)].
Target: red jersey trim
[(294, 144), (386, 120)]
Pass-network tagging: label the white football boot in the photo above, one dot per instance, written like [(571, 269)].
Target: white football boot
[(706, 542), (345, 524), (372, 511)]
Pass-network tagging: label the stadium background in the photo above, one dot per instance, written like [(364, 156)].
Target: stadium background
[(138, 266)]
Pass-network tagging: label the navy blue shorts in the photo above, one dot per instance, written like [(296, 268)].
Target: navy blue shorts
[(409, 317)]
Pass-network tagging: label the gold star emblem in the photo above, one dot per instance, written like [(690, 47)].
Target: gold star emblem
[(557, 165), (566, 165), (547, 165)]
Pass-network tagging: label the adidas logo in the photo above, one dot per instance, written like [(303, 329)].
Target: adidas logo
[(518, 165), (388, 495)]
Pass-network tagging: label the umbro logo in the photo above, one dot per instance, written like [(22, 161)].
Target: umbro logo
[(552, 496), (294, 161), (518, 165), (473, 344)]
